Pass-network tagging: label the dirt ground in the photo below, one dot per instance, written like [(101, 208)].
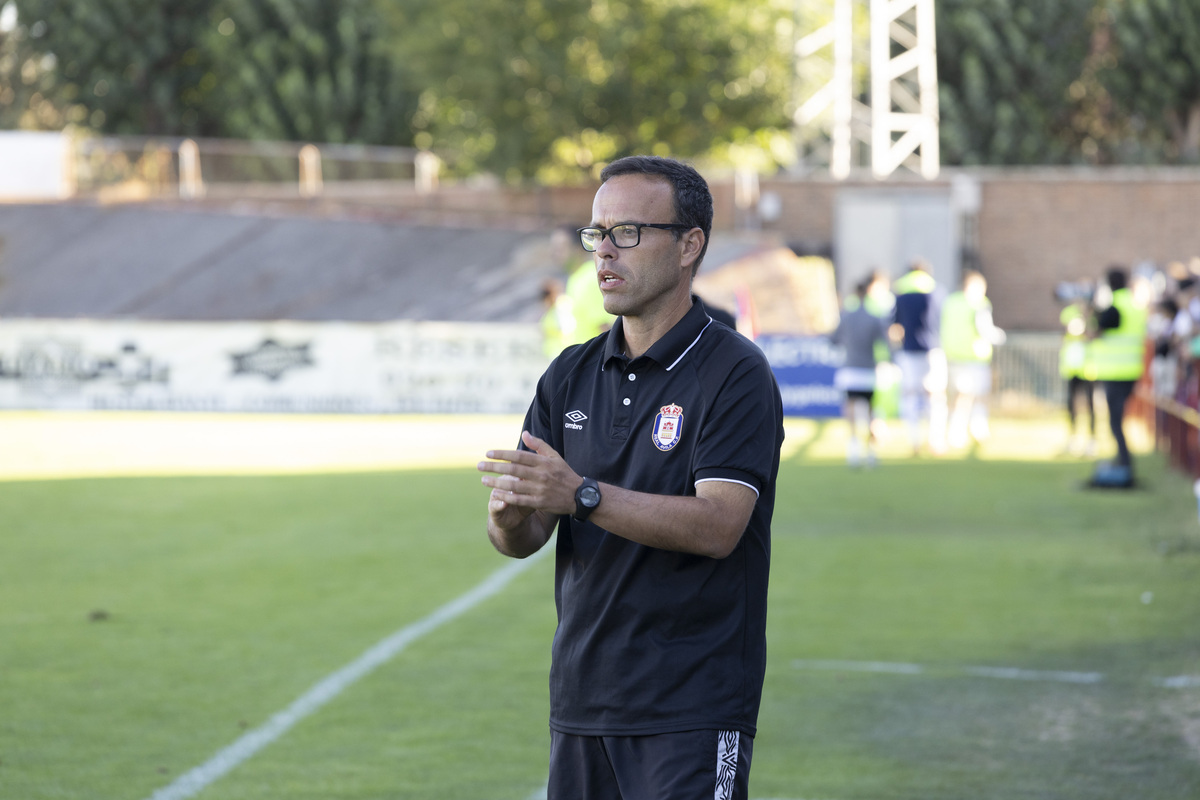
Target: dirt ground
[(40, 445)]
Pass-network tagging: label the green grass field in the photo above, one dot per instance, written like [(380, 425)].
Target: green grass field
[(953, 628)]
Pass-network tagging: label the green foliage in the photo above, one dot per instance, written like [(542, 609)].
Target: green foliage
[(258, 69), (554, 87), (551, 89), (1005, 71), (1151, 71), (307, 70), (136, 66), (26, 78)]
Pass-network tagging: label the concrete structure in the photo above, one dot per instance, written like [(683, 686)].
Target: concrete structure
[(192, 261)]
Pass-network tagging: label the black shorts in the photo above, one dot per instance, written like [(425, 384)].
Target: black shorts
[(856, 394), (668, 766)]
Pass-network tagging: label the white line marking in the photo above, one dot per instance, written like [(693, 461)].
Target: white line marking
[(192, 782), (1017, 674), (1179, 682), (862, 666), (1003, 673)]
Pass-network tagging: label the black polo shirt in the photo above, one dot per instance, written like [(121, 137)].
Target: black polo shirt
[(651, 641)]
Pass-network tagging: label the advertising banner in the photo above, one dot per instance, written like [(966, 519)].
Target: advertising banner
[(408, 367), (804, 367), (320, 367)]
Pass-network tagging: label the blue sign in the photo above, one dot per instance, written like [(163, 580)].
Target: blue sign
[(804, 367)]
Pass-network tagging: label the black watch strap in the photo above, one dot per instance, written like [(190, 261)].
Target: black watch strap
[(587, 497)]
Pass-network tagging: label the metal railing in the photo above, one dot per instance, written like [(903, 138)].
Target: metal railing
[(1175, 428), (1025, 373), (197, 167)]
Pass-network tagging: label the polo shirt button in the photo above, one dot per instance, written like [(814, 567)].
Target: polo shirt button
[(632, 376), (625, 401)]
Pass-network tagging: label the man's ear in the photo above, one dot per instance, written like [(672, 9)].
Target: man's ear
[(692, 243)]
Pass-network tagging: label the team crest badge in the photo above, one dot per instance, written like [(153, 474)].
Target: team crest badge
[(667, 427)]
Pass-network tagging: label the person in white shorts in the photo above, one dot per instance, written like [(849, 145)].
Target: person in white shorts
[(922, 364), (858, 332), (968, 340)]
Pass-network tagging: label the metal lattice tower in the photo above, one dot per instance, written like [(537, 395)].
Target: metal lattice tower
[(903, 87), (835, 40), (901, 124)]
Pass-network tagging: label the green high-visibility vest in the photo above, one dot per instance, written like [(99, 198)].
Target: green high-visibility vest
[(961, 340), (587, 304), (1118, 353)]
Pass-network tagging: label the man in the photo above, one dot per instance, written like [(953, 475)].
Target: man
[(1118, 356), (558, 318), (653, 450), (968, 338), (581, 296), (1076, 368), (922, 364), (861, 334)]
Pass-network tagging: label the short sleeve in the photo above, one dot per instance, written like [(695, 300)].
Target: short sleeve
[(741, 435)]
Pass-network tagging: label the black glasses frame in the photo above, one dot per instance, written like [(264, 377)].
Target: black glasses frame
[(602, 232)]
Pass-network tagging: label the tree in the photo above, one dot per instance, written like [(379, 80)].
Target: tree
[(26, 78), (553, 88), (133, 65), (257, 69), (1009, 80), (306, 70), (1149, 67)]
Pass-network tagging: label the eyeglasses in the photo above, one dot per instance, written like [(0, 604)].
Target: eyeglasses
[(625, 235)]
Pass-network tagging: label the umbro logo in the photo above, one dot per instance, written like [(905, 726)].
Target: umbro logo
[(573, 420)]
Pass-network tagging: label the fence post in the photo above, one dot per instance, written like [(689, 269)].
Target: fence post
[(311, 182), (191, 183), (426, 165)]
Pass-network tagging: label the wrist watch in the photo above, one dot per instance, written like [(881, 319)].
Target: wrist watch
[(587, 497)]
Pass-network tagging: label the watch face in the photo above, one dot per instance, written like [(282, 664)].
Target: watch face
[(589, 496)]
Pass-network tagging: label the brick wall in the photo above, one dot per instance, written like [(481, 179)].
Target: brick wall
[(1037, 228)]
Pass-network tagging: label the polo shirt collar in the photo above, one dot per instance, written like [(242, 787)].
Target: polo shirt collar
[(672, 347)]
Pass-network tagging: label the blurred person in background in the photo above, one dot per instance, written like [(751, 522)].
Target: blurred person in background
[(968, 337), (558, 318), (582, 293), (880, 301), (1075, 364), (1118, 351), (860, 333), (915, 318), (1164, 364), (719, 314), (1183, 332), (653, 451)]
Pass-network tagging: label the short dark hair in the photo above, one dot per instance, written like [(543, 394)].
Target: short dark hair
[(1117, 277), (692, 198)]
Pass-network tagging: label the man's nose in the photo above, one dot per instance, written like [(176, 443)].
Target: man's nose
[(607, 247)]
